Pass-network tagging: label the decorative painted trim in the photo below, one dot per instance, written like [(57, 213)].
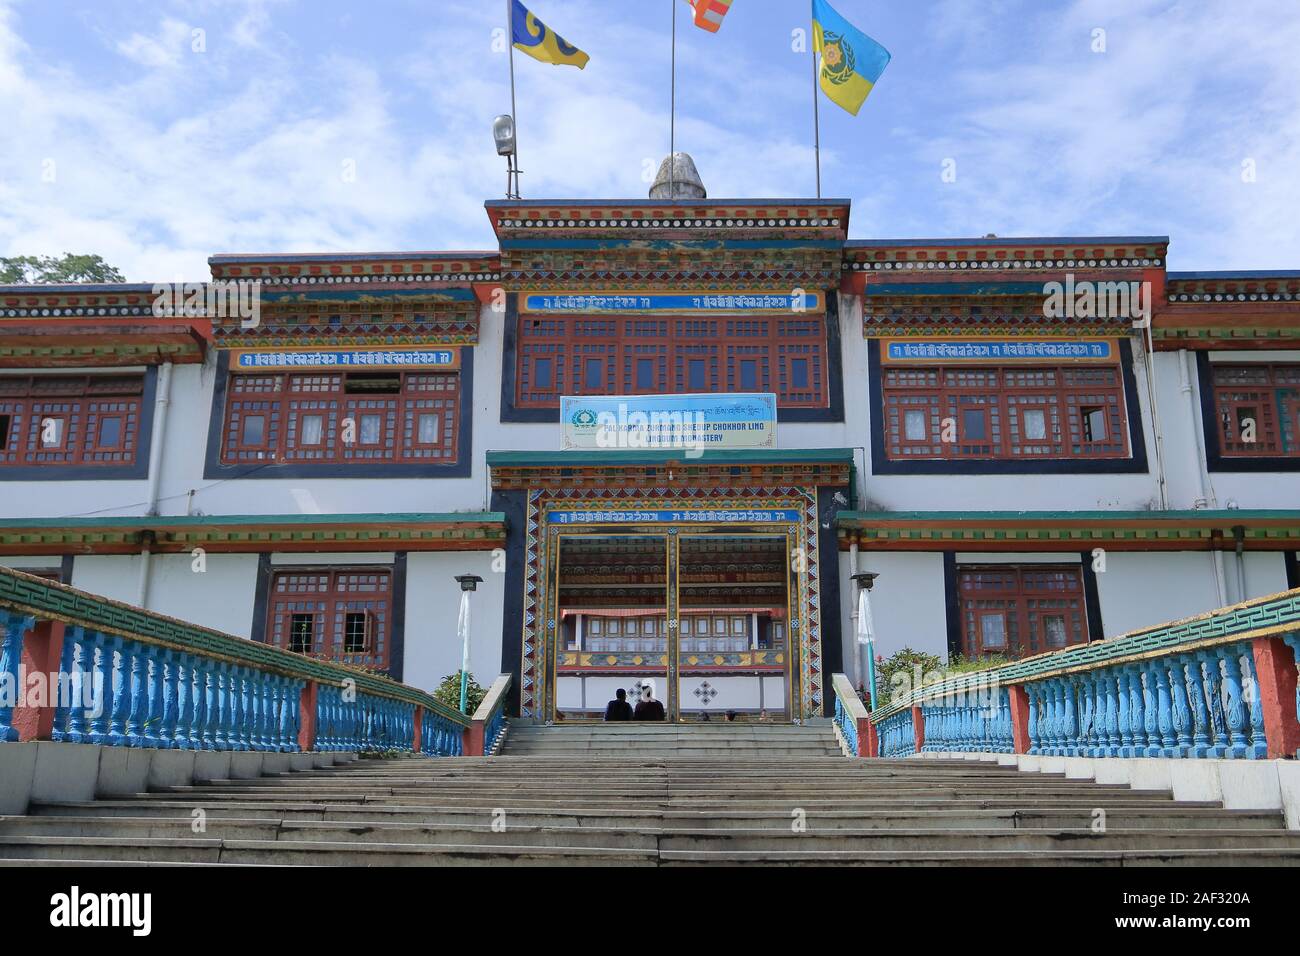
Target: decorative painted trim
[(1215, 460), (242, 534), (134, 472), (1135, 464), (1205, 530), (461, 468)]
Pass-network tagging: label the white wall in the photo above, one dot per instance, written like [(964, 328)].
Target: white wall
[(221, 597), (432, 604), (908, 604)]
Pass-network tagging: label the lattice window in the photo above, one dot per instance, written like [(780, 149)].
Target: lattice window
[(1020, 610), (354, 417), (70, 420), (338, 614), (1004, 413), (640, 355), (1258, 409)]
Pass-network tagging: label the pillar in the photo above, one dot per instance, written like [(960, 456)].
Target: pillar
[(918, 728), (1275, 672), (307, 716)]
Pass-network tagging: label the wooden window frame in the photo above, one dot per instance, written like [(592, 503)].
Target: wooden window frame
[(80, 402), (1277, 398), (1003, 393), (330, 594), (773, 343), (286, 399), (1026, 594)]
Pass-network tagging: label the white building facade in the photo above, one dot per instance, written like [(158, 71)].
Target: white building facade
[(1022, 474)]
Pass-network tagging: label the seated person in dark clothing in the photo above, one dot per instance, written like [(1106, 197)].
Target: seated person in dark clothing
[(647, 707), (619, 708)]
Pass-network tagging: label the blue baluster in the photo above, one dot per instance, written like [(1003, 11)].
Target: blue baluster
[(1182, 717), (151, 731), (184, 736), (1070, 730), (1137, 710), (1123, 709), (1164, 713), (66, 702), (239, 708), (102, 688), (1236, 706), (1150, 711), (137, 684), (289, 702), (168, 716), (1258, 747), (82, 685), (254, 689), (1214, 703), (120, 696), (1199, 714), (1110, 695), (1035, 734), (211, 706), (15, 628)]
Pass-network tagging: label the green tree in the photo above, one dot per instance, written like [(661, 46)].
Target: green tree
[(448, 692), (52, 270)]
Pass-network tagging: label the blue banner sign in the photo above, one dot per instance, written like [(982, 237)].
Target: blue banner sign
[(345, 358), (695, 423), (904, 350), (694, 516), (692, 302)]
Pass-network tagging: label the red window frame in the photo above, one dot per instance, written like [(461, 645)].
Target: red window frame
[(80, 403), (1003, 394), (1273, 393), (288, 400), (773, 343), (1025, 596), (330, 595)]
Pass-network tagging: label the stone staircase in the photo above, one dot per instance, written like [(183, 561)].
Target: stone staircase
[(650, 795)]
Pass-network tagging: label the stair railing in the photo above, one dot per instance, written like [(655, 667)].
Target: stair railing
[(82, 668), (1221, 684)]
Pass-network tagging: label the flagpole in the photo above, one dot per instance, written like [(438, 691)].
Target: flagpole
[(510, 41), (817, 122), (672, 114)]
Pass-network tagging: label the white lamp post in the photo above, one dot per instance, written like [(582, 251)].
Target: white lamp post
[(468, 583)]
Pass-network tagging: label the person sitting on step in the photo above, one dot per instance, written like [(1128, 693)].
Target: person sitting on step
[(618, 708), (647, 707)]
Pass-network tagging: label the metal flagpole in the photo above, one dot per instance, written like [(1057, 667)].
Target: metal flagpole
[(672, 115), (510, 40), (817, 122)]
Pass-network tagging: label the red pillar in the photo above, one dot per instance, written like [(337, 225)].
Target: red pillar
[(1275, 668), (1019, 718), (872, 740), (418, 733), (41, 658), (307, 716), (864, 737), (918, 728), (474, 735)]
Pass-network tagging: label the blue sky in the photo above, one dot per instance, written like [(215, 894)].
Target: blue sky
[(309, 125)]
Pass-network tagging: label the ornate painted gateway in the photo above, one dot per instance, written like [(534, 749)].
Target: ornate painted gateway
[(706, 576)]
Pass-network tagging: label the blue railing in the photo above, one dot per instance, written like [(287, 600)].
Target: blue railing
[(129, 678), (1200, 704), (897, 734), (851, 720), (976, 721), (1184, 689)]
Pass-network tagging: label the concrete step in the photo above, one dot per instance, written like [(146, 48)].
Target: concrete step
[(1160, 817), (744, 839)]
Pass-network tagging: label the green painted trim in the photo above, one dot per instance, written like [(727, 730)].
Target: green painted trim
[(47, 600), (1275, 614), (737, 456)]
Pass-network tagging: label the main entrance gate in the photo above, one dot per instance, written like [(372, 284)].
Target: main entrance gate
[(714, 577), (701, 615)]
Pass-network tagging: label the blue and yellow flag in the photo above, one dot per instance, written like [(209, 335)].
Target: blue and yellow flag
[(530, 35), (851, 61)]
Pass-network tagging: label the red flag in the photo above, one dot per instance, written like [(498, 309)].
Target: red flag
[(709, 13)]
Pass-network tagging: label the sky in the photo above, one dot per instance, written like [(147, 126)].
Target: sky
[(158, 133)]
